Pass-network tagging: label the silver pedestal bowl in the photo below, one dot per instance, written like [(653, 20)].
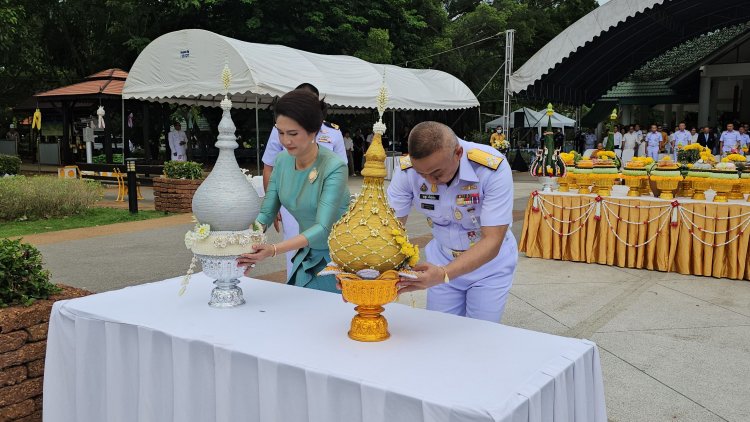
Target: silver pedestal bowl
[(225, 272)]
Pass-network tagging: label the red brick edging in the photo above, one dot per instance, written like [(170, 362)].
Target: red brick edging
[(23, 344)]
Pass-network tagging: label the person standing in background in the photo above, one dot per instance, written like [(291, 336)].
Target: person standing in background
[(349, 146), (177, 142)]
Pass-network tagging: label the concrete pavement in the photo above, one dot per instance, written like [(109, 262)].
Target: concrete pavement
[(673, 347)]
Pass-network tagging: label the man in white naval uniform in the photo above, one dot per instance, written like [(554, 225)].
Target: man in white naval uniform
[(177, 141), (466, 192), (682, 138), (329, 137)]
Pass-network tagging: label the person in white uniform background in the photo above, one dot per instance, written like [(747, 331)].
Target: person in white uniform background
[(329, 137), (466, 192), (682, 138), (629, 144), (730, 139), (653, 141), (177, 142)]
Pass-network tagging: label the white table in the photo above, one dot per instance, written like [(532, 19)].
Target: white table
[(145, 354)]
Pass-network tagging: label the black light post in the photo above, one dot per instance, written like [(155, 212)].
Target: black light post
[(132, 186)]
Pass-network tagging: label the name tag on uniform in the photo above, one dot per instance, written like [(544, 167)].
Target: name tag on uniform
[(427, 206), (467, 199), (428, 196), (469, 187), (324, 139)]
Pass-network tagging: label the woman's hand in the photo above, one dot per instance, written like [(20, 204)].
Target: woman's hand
[(262, 251)]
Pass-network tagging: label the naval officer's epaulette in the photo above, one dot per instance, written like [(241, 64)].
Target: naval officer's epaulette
[(484, 158), (405, 162), (331, 125)]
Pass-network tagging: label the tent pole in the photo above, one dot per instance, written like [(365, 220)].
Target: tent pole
[(479, 113), (257, 140), (393, 124), (125, 147)]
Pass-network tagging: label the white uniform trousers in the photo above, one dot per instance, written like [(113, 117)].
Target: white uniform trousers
[(653, 152), (480, 294)]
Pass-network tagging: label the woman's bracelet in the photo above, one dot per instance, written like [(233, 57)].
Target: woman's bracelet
[(274, 250)]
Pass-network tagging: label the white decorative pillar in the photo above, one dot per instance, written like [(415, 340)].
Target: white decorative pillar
[(704, 100)]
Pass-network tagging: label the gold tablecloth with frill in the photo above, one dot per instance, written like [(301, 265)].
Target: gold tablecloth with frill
[(673, 249)]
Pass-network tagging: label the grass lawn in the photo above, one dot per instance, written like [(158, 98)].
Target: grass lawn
[(91, 218)]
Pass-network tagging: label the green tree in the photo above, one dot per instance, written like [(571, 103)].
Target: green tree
[(377, 48)]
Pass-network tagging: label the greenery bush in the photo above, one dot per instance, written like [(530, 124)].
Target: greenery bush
[(183, 170), (9, 164), (22, 276), (33, 198)]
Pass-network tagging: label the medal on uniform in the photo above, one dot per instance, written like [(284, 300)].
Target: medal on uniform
[(472, 237), (457, 214), (313, 174), (433, 189), (429, 222), (423, 188)]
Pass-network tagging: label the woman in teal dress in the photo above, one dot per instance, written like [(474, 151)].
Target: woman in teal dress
[(311, 182)]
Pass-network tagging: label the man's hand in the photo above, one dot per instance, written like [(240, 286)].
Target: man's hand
[(428, 275)]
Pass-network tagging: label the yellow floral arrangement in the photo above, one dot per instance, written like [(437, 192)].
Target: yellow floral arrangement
[(645, 160), (690, 147), (707, 157), (666, 159), (733, 157), (567, 157), (408, 249), (500, 143), (606, 154)]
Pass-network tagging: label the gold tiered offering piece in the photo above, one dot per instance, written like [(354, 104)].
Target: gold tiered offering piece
[(667, 177), (369, 246), (582, 173), (634, 173)]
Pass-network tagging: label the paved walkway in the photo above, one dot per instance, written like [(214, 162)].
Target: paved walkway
[(674, 347)]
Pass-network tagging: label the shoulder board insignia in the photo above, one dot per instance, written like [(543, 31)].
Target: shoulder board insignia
[(405, 162), (331, 125), (484, 158)]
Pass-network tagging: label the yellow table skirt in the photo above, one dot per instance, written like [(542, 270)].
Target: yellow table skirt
[(688, 237)]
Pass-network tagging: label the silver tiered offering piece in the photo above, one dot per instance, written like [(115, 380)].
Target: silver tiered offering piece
[(229, 204)]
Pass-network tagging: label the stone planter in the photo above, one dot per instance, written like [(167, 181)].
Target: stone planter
[(23, 344), (174, 195)]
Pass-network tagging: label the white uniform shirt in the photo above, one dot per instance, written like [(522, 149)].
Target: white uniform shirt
[(327, 137), (178, 151), (653, 139), (348, 144), (618, 139), (682, 138), (731, 140)]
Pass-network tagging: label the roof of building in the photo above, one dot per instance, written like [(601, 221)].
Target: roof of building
[(601, 49), (108, 82)]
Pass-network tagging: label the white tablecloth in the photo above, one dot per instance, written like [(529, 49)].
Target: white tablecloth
[(145, 354)]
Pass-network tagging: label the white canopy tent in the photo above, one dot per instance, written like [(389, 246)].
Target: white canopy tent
[(575, 36), (558, 120), (535, 119), (185, 67)]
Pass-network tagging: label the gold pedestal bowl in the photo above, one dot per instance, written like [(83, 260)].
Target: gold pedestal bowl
[(700, 186), (583, 181), (369, 296), (604, 183), (667, 186), (564, 183), (634, 183)]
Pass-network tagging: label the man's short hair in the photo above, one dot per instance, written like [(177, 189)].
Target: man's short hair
[(429, 137)]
